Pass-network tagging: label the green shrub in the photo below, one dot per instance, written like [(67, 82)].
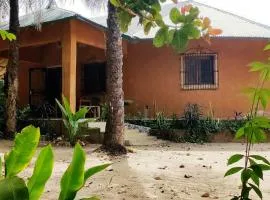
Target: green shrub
[(233, 125), (15, 161), (193, 125), (161, 122), (71, 119)]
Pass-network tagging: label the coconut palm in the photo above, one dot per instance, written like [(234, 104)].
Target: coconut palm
[(12, 70), (11, 77), (114, 133)]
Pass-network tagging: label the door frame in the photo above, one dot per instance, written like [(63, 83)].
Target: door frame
[(44, 70)]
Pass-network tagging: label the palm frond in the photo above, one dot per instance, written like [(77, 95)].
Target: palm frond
[(97, 4), (4, 10)]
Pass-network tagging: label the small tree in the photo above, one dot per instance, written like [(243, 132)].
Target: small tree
[(253, 131)]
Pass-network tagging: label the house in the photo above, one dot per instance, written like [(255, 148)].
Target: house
[(68, 56)]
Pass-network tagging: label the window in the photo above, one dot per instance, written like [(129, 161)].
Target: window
[(199, 71)]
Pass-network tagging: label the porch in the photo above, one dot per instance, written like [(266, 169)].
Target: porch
[(66, 57)]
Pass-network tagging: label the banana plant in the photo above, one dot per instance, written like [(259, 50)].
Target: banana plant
[(253, 131), (76, 176), (12, 187), (71, 119)]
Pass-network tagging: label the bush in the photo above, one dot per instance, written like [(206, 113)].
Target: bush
[(196, 127), (160, 122), (71, 119)]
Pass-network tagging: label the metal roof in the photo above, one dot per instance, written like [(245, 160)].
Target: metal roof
[(47, 15), (231, 24)]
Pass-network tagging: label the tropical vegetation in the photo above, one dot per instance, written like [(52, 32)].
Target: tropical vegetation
[(253, 131), (20, 156)]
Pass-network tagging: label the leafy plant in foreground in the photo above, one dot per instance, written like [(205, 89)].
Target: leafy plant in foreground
[(253, 131), (12, 187), (71, 119)]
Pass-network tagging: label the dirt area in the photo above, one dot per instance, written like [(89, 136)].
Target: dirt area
[(160, 170)]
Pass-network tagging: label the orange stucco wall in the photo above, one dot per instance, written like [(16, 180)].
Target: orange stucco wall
[(152, 77), (50, 55), (45, 49)]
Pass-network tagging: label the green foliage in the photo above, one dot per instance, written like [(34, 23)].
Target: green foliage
[(174, 121), (24, 149), (14, 188), (92, 171), (232, 125), (235, 158), (75, 176), (71, 120), (161, 122), (41, 174), (6, 35), (24, 112), (187, 22), (233, 171), (253, 131), (192, 116), (1, 169)]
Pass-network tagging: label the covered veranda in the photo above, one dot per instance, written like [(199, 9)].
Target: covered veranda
[(66, 57)]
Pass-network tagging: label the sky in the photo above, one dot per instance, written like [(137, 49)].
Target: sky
[(256, 10)]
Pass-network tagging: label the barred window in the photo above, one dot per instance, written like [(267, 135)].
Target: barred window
[(199, 71)]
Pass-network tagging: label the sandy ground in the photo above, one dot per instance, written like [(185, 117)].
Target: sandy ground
[(153, 171)]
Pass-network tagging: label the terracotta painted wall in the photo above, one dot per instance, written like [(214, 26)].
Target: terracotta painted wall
[(48, 56), (152, 77)]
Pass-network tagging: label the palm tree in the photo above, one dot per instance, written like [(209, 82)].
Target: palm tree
[(114, 133), (12, 70), (11, 76)]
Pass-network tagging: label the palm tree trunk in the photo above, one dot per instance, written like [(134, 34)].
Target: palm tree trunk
[(114, 134), (12, 71)]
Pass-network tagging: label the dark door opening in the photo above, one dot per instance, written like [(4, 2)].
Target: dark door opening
[(53, 84), (94, 78), (45, 85), (37, 86)]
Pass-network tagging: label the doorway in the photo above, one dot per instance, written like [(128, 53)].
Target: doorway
[(45, 85), (53, 84), (94, 75)]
